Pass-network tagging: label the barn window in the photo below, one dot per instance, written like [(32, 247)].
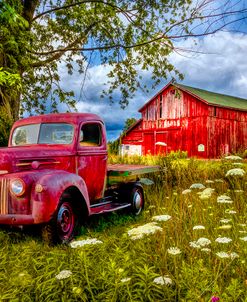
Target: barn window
[(214, 111), (161, 106)]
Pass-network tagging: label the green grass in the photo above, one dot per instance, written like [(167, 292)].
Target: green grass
[(28, 267)]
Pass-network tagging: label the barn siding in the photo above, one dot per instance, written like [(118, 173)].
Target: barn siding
[(227, 132), (184, 122)]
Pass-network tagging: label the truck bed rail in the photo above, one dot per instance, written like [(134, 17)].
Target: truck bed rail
[(124, 173)]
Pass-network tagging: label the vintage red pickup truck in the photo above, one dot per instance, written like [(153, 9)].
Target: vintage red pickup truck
[(54, 173)]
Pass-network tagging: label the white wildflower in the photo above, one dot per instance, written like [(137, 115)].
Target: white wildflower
[(206, 193), (203, 241), (219, 180), (242, 224), (162, 280), (233, 157), (223, 240), (243, 238), (80, 243), (206, 250), (194, 245), (187, 191), (225, 220), (198, 227), (238, 164), (238, 191), (146, 229), (235, 172), (208, 181), (230, 211), (161, 217), (234, 255), (223, 255), (197, 186), (125, 280), (204, 196), (189, 205), (242, 232), (224, 199), (174, 251), (63, 274)]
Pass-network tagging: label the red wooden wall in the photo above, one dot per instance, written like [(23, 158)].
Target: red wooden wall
[(185, 123)]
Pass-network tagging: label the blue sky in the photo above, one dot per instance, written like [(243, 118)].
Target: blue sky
[(218, 63)]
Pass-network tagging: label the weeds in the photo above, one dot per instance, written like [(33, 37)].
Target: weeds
[(189, 258)]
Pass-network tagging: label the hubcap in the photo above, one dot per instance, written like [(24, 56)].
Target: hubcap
[(65, 220), (137, 199)]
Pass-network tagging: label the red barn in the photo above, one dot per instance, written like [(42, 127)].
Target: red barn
[(203, 123)]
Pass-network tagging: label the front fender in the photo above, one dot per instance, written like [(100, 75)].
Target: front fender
[(47, 192)]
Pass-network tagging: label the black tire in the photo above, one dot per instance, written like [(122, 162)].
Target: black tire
[(137, 200), (63, 226)]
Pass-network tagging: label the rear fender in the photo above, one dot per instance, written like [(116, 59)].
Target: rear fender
[(48, 190)]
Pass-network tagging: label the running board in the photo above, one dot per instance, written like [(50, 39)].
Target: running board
[(108, 207)]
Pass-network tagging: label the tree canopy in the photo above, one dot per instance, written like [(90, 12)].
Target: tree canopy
[(126, 36)]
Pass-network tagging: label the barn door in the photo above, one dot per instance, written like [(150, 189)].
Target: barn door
[(148, 143), (161, 142)]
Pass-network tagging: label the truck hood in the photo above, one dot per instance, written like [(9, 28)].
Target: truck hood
[(15, 159)]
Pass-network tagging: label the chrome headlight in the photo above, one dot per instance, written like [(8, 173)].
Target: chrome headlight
[(17, 187)]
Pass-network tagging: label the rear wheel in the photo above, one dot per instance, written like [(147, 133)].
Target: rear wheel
[(137, 200), (63, 226)]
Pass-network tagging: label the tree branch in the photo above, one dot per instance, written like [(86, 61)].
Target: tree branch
[(59, 53), (70, 47), (75, 4)]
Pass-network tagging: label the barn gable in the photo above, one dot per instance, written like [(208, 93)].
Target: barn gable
[(203, 123)]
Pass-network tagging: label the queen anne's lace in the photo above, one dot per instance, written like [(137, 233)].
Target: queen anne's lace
[(235, 172), (146, 229), (163, 280), (81, 243), (63, 274)]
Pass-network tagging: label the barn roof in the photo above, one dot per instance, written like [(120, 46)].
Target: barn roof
[(133, 126), (214, 98), (211, 98)]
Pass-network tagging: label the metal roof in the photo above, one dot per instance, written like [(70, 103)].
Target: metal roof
[(213, 98), (208, 97)]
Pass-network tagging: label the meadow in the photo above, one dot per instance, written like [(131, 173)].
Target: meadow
[(189, 244)]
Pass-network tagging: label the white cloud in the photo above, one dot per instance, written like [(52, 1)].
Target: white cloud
[(219, 64), (221, 68)]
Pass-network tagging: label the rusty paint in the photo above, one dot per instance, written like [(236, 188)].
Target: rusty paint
[(181, 121), (49, 170)]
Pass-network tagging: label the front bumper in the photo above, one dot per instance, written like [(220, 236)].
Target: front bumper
[(13, 219)]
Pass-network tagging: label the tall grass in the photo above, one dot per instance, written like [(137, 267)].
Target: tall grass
[(123, 269)]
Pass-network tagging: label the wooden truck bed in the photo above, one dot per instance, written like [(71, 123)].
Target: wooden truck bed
[(117, 173)]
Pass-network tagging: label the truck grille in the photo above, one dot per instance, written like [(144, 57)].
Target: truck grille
[(4, 196)]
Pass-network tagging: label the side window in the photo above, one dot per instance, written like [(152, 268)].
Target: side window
[(90, 135)]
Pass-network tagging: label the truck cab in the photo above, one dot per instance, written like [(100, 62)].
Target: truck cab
[(54, 173)]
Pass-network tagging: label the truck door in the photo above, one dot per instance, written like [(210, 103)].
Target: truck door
[(92, 158)]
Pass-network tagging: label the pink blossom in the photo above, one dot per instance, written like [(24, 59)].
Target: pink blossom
[(215, 299)]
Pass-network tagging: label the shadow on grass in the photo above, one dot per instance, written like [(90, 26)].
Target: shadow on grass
[(94, 224)]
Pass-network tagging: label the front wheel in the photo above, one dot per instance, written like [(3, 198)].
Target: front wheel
[(63, 226), (137, 200)]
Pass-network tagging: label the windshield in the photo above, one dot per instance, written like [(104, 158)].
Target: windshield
[(49, 133)]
